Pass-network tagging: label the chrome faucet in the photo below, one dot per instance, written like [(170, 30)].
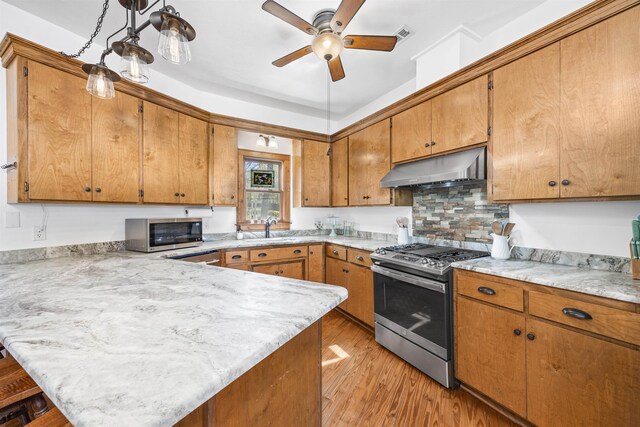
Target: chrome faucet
[(267, 226)]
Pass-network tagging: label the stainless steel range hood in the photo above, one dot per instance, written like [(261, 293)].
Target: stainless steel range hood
[(448, 170)]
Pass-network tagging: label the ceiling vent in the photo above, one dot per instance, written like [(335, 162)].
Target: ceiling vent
[(404, 33)]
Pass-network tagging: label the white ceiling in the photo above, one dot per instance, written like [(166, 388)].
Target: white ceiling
[(237, 41)]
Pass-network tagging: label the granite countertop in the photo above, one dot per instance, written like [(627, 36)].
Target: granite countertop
[(606, 284), (135, 339), (352, 242)]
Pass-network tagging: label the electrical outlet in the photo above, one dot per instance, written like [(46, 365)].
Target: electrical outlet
[(39, 233)]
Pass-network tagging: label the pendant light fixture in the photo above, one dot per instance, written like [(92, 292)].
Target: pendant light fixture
[(173, 45)]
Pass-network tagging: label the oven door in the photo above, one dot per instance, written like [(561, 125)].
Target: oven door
[(414, 307)]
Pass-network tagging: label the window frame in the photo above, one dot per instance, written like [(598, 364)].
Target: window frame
[(285, 181)]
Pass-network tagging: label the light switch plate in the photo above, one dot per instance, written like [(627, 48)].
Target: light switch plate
[(39, 232), (12, 220)]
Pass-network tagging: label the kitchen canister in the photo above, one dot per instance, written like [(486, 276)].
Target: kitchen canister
[(500, 248)]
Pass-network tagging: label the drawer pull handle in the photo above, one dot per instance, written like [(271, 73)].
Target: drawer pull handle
[(531, 336), (360, 258), (297, 251), (576, 313), (335, 252), (517, 332), (236, 257), (486, 291), (262, 254)]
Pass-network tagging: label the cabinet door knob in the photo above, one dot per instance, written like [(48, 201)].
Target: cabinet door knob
[(433, 143), (576, 313), (552, 183), (485, 290), (531, 336), (177, 194), (281, 272), (427, 144), (276, 272), (517, 332), (98, 189), (335, 252), (566, 182), (182, 194), (233, 197), (87, 189), (306, 199)]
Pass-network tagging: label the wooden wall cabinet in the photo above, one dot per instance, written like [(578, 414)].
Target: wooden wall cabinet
[(542, 364), (369, 162), (566, 119), (411, 133), (224, 166), (460, 116), (340, 173), (194, 160), (315, 173)]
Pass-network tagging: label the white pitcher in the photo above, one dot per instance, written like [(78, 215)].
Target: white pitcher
[(500, 248)]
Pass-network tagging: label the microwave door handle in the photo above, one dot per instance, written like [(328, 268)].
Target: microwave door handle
[(418, 281)]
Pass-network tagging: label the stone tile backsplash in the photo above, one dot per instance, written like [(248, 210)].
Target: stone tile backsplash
[(459, 213)]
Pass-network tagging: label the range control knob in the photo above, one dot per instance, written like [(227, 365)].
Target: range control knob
[(423, 261), (440, 264), (382, 252)]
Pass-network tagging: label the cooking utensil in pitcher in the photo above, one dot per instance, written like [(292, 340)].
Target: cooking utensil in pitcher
[(496, 227)]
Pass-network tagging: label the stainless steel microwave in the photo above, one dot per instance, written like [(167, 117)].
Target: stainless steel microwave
[(152, 235)]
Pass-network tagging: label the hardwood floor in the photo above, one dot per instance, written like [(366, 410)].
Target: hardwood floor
[(363, 384)]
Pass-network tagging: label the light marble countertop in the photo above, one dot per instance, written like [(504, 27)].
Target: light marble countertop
[(606, 284), (352, 242), (136, 339)]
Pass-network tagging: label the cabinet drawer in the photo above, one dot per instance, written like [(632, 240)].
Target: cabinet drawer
[(612, 322), (236, 257), (334, 251), (489, 291), (258, 255), (359, 257)]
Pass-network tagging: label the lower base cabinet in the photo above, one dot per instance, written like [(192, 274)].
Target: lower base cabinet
[(547, 373), (292, 270), (359, 283)]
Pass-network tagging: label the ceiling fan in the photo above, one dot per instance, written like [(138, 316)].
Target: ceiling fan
[(327, 27)]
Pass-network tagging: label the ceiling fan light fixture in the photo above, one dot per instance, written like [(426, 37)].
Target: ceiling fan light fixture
[(173, 43), (327, 45), (100, 80)]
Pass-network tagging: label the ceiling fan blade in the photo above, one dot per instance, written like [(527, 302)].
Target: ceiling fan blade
[(345, 13), (335, 68), (289, 17), (384, 43), (292, 56)]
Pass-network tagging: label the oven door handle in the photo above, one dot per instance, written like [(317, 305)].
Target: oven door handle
[(418, 281)]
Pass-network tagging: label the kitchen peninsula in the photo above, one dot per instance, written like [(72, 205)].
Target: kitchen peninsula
[(128, 339)]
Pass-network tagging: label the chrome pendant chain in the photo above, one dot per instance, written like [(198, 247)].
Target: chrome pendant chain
[(88, 44)]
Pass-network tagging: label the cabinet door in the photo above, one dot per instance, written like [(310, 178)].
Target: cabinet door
[(59, 135), (574, 379), (224, 165), (115, 146), (411, 133), (361, 293), (270, 269), (194, 161), (161, 154), (490, 356), (525, 137), (293, 270), (358, 168), (335, 275), (316, 172), (379, 155), (460, 116), (340, 173), (600, 113), (316, 263)]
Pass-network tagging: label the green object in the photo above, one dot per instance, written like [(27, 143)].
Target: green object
[(635, 228), (634, 248)]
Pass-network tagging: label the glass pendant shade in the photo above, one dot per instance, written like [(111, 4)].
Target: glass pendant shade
[(273, 142), (134, 65), (327, 46), (173, 44), (261, 141), (100, 83)]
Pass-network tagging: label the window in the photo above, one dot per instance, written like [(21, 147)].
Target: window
[(264, 187)]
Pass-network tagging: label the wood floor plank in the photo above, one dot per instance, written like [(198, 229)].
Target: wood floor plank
[(365, 385)]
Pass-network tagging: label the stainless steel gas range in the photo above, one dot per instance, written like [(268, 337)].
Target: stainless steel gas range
[(413, 305)]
